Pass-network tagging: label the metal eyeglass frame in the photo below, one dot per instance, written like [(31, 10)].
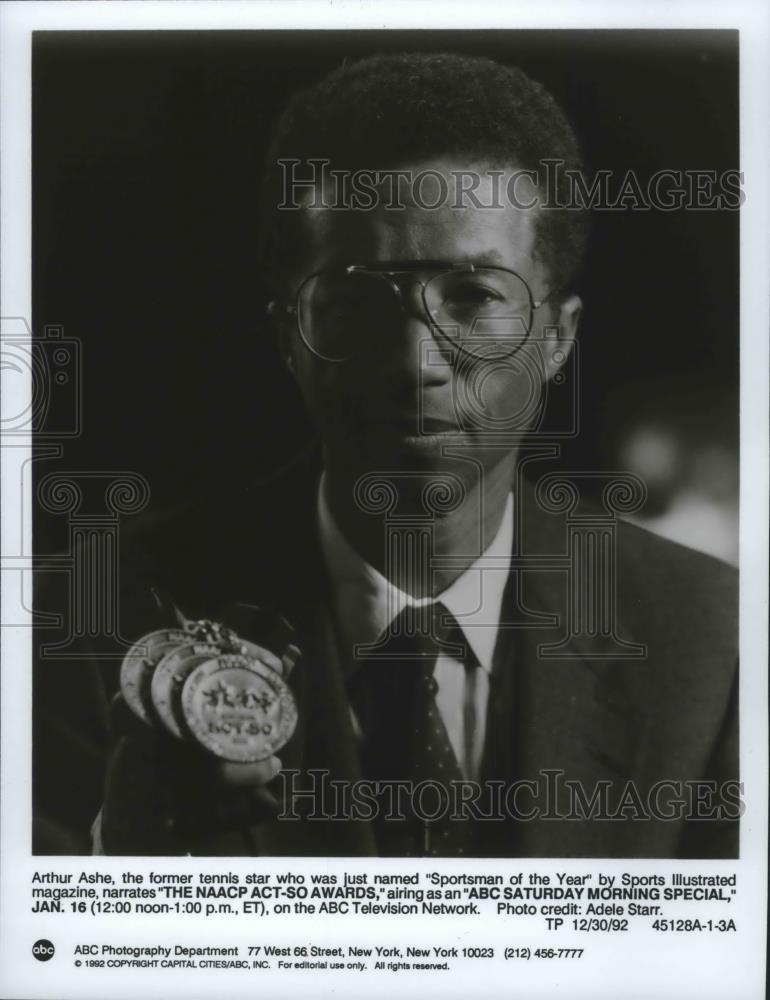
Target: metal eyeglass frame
[(390, 269)]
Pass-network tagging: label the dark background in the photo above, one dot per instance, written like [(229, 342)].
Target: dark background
[(146, 158)]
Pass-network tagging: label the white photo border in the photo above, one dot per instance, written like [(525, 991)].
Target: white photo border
[(740, 971)]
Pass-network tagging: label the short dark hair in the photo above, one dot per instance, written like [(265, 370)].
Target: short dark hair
[(387, 111)]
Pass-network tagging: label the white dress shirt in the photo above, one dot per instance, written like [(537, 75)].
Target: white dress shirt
[(365, 603)]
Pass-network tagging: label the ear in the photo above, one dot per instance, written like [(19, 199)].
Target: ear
[(281, 326), (558, 339)]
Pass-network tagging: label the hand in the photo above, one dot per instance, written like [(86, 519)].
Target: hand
[(163, 794), (250, 778)]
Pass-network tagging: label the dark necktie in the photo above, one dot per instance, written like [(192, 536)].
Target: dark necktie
[(393, 692)]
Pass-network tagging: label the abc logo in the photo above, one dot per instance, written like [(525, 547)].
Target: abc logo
[(43, 950)]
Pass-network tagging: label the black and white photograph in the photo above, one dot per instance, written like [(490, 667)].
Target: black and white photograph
[(390, 487), (439, 417)]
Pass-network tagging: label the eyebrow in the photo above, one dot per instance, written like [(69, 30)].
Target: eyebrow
[(480, 259), (485, 257)]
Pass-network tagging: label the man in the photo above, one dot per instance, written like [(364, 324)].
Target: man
[(485, 668)]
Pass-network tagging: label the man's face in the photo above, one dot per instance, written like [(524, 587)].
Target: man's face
[(408, 398)]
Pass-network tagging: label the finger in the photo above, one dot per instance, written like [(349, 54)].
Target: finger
[(248, 775), (268, 658), (290, 656)]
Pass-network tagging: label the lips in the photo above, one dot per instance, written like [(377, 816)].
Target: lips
[(412, 424), (436, 425)]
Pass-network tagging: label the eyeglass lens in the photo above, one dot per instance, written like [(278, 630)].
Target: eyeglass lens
[(340, 310)]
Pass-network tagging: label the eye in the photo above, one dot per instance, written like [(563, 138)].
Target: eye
[(472, 293), (338, 299)]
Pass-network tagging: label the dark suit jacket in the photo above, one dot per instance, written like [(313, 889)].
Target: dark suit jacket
[(589, 716)]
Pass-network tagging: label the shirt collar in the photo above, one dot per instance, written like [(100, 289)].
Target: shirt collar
[(366, 602)]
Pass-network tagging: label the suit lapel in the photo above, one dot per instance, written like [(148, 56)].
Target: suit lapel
[(328, 748), (579, 716)]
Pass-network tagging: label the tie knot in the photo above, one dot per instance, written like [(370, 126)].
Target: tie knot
[(420, 632)]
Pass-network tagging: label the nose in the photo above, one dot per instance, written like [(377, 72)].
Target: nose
[(416, 355)]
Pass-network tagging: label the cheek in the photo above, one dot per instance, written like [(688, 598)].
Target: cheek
[(500, 395), (324, 391), (314, 387)]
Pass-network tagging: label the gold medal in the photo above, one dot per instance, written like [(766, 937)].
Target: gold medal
[(139, 664), (169, 677), (177, 665), (239, 707)]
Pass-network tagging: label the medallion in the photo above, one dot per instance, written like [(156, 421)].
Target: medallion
[(238, 707), (139, 663)]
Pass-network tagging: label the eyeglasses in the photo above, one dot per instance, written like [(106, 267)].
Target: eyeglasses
[(480, 310)]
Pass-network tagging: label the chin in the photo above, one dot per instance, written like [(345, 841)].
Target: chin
[(414, 462)]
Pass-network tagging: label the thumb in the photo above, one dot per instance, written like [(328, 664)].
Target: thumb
[(245, 776)]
